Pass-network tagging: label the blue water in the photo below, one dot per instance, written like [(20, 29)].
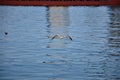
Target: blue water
[(38, 44)]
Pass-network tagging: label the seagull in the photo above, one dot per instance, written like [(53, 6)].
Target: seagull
[(61, 37)]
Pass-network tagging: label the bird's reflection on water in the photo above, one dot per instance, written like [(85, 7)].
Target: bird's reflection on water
[(58, 19)]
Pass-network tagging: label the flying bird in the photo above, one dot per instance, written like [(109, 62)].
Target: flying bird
[(61, 37)]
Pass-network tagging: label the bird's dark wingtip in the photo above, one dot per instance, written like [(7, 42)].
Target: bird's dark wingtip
[(54, 37)]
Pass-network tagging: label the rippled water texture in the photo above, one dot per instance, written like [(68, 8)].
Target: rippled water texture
[(59, 43)]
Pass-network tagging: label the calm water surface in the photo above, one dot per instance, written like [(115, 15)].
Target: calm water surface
[(59, 43)]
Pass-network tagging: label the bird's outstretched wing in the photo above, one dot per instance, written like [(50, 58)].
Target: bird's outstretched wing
[(69, 37), (54, 37)]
